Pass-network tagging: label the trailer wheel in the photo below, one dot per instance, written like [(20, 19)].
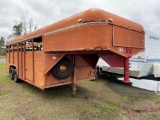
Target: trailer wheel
[(11, 73), (16, 79), (63, 69)]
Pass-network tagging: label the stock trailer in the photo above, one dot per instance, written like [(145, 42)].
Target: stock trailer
[(67, 51)]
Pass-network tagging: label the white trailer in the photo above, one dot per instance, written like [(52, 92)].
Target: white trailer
[(144, 63)]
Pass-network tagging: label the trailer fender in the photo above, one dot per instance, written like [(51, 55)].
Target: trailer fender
[(51, 60)]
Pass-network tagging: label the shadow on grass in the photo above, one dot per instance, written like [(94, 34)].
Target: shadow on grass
[(56, 92)]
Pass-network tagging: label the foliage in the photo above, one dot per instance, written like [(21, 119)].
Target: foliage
[(17, 29), (2, 42), (21, 28)]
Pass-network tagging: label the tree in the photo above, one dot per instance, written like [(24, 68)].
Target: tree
[(17, 29), (2, 42), (22, 28)]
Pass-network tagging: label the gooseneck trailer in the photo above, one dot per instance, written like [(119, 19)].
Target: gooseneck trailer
[(67, 51)]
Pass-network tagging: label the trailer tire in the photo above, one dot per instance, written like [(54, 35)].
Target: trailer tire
[(63, 69), (11, 74), (16, 79)]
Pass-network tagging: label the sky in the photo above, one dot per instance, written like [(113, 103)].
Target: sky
[(45, 12)]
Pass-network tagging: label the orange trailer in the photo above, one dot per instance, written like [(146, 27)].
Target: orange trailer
[(67, 51)]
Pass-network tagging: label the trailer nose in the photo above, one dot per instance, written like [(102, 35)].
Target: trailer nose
[(116, 60)]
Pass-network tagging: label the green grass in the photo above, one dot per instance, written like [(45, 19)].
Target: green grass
[(94, 101), (4, 77), (2, 56)]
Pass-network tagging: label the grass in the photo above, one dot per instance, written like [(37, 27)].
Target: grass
[(3, 74), (95, 100), (2, 56)]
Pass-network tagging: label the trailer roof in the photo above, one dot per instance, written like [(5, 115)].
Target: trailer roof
[(88, 15)]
